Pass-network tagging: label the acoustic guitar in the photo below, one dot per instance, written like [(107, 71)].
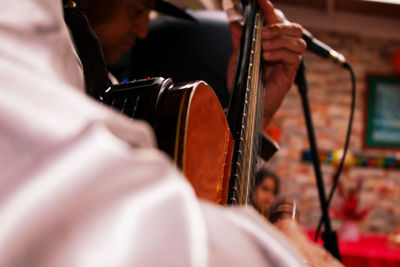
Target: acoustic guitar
[(216, 152)]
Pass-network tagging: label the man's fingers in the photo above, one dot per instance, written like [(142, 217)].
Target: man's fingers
[(283, 56), (271, 31), (289, 43), (269, 12)]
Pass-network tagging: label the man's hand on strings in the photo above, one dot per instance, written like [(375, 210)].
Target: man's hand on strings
[(282, 52)]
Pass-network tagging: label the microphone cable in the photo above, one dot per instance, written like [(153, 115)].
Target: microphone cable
[(336, 177)]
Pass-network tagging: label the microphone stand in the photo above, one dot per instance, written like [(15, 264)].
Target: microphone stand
[(328, 236)]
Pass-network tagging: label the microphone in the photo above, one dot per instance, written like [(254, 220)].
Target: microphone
[(314, 45)]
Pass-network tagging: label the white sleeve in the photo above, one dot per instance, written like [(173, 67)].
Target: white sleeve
[(95, 201), (34, 31), (239, 236)]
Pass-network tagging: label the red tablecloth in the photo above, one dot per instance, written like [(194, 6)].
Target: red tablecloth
[(369, 251)]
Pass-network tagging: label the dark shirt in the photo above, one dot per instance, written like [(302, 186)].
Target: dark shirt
[(88, 47), (182, 50)]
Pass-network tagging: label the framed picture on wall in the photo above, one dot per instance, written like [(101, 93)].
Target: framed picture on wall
[(382, 125)]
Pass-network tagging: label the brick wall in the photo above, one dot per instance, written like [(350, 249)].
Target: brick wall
[(329, 96)]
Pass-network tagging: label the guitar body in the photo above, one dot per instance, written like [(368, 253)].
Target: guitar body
[(190, 126)]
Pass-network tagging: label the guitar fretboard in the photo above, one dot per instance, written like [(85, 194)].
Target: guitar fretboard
[(248, 147)]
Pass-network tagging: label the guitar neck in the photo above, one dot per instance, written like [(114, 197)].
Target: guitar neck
[(244, 111)]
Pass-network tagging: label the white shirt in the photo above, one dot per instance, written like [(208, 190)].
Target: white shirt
[(83, 186)]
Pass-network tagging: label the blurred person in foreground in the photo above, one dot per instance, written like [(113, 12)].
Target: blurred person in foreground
[(84, 186)]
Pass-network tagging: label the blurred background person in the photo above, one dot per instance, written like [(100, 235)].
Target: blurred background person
[(267, 186)]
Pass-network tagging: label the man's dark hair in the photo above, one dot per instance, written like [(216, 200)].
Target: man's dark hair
[(264, 173)]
